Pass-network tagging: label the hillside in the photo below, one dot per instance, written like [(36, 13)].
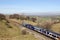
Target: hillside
[(56, 28), (13, 33), (5, 31)]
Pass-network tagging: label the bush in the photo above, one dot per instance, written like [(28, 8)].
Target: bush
[(14, 16), (24, 32), (2, 17), (46, 25), (33, 19), (8, 25)]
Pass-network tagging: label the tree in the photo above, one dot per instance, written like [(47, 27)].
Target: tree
[(2, 17), (33, 19), (14, 16), (28, 18), (11, 17)]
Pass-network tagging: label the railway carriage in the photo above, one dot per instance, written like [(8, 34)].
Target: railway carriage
[(43, 31)]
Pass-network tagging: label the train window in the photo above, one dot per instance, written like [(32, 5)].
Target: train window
[(50, 34), (27, 25), (40, 29), (32, 28), (58, 37), (44, 31), (47, 32), (53, 35)]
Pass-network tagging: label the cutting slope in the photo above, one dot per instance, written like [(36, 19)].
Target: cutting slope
[(13, 33)]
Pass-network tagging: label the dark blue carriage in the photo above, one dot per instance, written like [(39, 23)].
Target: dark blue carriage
[(29, 26)]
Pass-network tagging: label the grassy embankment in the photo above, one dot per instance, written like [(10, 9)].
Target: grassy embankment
[(13, 33), (56, 28)]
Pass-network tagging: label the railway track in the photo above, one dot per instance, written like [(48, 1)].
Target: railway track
[(37, 35)]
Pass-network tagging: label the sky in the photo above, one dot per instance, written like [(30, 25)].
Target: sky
[(35, 7)]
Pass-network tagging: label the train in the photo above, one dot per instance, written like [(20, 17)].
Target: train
[(42, 31)]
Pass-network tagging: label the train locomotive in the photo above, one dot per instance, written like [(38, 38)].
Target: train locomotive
[(43, 31)]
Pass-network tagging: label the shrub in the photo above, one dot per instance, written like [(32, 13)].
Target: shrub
[(46, 25), (24, 32), (8, 25), (2, 17), (14, 16), (33, 19)]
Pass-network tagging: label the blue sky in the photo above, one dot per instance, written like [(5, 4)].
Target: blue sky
[(29, 6)]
